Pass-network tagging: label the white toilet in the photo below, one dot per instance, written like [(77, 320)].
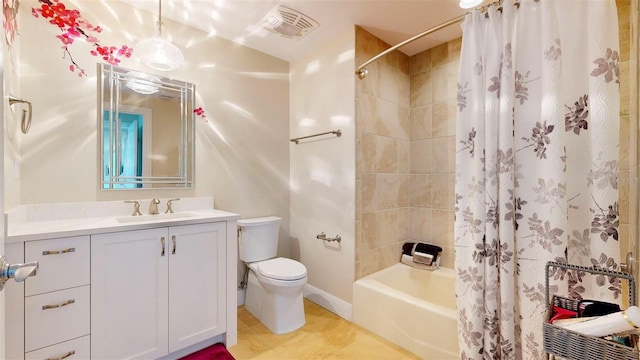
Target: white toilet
[(274, 286)]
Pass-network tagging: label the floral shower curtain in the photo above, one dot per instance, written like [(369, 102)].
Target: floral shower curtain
[(537, 167)]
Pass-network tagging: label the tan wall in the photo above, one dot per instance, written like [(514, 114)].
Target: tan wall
[(242, 152), (322, 169)]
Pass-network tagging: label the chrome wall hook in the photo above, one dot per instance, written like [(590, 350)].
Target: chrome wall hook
[(25, 122)]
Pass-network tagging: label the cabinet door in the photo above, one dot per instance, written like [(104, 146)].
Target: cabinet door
[(129, 294), (197, 283)]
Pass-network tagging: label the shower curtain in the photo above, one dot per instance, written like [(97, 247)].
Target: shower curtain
[(536, 167)]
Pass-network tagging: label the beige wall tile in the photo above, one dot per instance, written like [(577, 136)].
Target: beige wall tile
[(389, 255), (388, 188), (625, 244), (623, 191), (624, 26), (420, 190), (387, 221), (387, 83), (625, 138), (386, 155), (369, 232), (366, 113), (420, 62), (442, 191), (368, 263), (403, 63), (421, 122), (369, 152), (404, 220), (625, 78), (404, 88), (404, 119), (369, 196), (404, 156), (403, 190), (368, 85), (447, 257), (421, 91), (444, 119), (387, 122), (420, 224), (444, 154), (439, 55), (442, 232), (454, 48), (421, 156)]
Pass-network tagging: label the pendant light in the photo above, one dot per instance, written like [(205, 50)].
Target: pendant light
[(157, 52), (468, 4)]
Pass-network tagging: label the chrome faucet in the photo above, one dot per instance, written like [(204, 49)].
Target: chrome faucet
[(169, 203), (153, 207), (136, 207)]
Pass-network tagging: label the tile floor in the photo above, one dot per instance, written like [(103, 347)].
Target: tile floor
[(324, 336)]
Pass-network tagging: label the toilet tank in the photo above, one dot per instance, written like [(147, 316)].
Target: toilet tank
[(258, 238)]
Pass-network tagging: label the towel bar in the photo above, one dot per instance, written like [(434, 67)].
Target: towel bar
[(337, 133)]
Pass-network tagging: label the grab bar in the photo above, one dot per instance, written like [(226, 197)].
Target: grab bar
[(337, 133), (322, 236)]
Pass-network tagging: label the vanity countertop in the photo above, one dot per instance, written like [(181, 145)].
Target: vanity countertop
[(49, 221)]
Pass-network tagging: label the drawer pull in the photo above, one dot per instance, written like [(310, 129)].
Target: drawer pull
[(70, 353), (162, 241), (68, 302), (56, 252), (173, 238)]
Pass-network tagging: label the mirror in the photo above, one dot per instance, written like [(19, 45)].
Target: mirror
[(147, 127)]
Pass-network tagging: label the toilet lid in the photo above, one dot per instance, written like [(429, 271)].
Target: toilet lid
[(282, 269)]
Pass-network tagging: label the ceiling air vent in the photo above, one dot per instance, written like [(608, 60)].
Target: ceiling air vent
[(289, 23)]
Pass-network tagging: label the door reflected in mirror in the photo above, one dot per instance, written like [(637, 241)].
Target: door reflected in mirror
[(147, 130)]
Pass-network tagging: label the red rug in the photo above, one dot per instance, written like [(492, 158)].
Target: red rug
[(213, 352)]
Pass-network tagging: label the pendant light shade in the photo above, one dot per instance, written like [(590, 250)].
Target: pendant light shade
[(468, 4), (157, 52)]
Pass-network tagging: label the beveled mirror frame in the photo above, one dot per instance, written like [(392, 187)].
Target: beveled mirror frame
[(113, 83)]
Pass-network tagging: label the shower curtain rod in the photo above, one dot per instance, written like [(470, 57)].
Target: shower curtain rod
[(362, 72)]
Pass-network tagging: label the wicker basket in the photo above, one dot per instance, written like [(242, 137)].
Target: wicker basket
[(571, 345)]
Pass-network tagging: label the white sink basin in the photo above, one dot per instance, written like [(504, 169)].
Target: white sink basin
[(140, 218)]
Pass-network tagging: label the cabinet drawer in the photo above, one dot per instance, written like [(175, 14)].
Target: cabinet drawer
[(64, 263), (79, 349), (56, 317)]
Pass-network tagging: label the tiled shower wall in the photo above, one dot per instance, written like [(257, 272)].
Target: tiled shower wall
[(628, 131), (382, 156), (405, 112)]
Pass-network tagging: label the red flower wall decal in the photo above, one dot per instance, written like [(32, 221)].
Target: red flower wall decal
[(200, 112), (74, 26)]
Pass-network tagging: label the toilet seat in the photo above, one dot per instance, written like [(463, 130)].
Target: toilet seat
[(281, 269)]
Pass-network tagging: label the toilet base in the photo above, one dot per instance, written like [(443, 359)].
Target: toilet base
[(281, 311)]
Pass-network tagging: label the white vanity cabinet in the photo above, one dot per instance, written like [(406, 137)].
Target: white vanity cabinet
[(157, 291), (49, 313)]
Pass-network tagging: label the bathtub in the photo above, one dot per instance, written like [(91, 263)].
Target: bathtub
[(415, 309)]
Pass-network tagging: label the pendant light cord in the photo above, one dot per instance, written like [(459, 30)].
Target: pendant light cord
[(160, 18)]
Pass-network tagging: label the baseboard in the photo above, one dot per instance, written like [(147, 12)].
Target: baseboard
[(328, 301)]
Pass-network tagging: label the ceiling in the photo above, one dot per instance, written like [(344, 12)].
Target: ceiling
[(240, 21)]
